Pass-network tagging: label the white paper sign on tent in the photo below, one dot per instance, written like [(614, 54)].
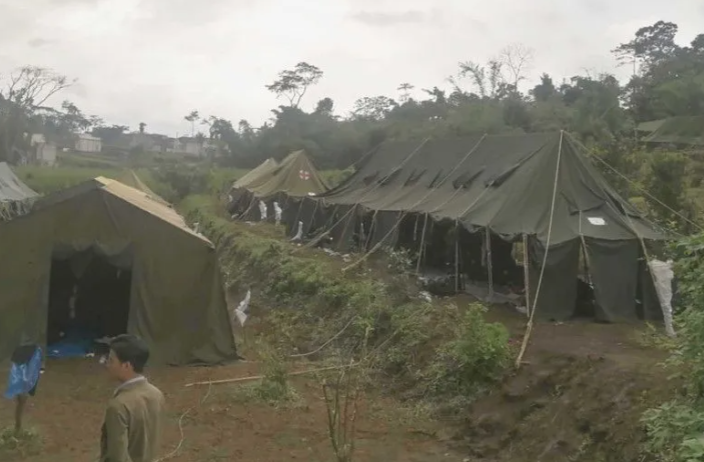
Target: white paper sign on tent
[(596, 221)]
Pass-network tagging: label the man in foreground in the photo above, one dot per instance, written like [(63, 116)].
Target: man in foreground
[(133, 418)]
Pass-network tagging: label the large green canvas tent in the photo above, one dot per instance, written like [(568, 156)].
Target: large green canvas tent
[(175, 301), (540, 186), (16, 198), (295, 177)]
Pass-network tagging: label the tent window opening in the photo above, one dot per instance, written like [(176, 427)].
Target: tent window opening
[(89, 300)]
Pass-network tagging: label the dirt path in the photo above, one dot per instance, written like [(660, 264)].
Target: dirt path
[(219, 426)]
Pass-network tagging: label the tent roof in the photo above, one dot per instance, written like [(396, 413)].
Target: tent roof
[(131, 179), (12, 189), (295, 175), (503, 182), (135, 197), (262, 169), (674, 130)]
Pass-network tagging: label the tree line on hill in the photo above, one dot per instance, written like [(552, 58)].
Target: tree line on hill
[(668, 81)]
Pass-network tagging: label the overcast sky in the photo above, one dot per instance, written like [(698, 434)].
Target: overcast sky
[(154, 61)]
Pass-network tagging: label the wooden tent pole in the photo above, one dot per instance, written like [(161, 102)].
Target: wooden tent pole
[(19, 412), (421, 250), (526, 273), (457, 256), (489, 265)]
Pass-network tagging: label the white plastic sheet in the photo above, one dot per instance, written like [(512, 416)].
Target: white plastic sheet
[(263, 210), (277, 213), (662, 278), (299, 233), (242, 310)]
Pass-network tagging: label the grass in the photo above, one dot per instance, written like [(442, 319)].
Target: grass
[(28, 442), (436, 351)]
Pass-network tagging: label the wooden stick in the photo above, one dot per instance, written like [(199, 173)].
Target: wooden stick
[(19, 412), (259, 377), (526, 273), (421, 250), (457, 256), (489, 265)]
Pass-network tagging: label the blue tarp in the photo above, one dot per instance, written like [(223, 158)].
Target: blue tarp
[(24, 377), (76, 344)]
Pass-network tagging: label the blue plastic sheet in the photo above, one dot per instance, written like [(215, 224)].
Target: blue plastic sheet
[(24, 377)]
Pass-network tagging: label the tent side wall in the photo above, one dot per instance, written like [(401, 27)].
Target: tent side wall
[(177, 301)]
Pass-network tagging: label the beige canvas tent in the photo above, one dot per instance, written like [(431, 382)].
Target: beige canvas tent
[(16, 198), (171, 282), (131, 179)]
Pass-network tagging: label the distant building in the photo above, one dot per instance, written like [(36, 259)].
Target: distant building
[(192, 146), (148, 142), (88, 143)]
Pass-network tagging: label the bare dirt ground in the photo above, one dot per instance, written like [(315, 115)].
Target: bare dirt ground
[(68, 409), (583, 386)]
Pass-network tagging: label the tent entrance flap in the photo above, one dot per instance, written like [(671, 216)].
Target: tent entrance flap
[(89, 299)]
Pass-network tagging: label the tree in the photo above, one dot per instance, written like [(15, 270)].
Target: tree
[(374, 108), (325, 107), (545, 90), (517, 59), (109, 134), (486, 79), (192, 117), (405, 89), (25, 91), (142, 127), (293, 84)]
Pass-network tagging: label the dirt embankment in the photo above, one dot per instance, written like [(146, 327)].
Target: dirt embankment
[(578, 397)]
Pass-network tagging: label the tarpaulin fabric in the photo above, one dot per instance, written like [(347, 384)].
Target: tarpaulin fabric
[(12, 189), (504, 182), (294, 177), (262, 169), (130, 178), (177, 300), (24, 376), (557, 297), (384, 229), (16, 198), (613, 268)]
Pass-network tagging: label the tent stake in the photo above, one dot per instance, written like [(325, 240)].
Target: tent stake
[(526, 273)]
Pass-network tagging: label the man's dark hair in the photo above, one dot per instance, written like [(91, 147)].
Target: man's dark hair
[(131, 349)]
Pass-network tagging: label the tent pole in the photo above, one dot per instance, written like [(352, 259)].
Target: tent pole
[(526, 273), (371, 231), (489, 265), (377, 246), (529, 325), (421, 250), (457, 256)]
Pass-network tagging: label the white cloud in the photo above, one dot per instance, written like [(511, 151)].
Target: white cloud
[(153, 61)]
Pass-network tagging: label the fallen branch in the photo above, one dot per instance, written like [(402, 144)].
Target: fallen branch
[(260, 377)]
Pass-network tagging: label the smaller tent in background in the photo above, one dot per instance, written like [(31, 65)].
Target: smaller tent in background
[(16, 198), (131, 179), (295, 177)]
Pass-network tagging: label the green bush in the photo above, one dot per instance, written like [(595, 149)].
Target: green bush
[(361, 313), (477, 356), (675, 430)]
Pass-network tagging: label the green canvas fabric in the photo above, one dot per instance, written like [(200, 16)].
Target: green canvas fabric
[(502, 182), (264, 168), (295, 176), (177, 300), (683, 130)]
